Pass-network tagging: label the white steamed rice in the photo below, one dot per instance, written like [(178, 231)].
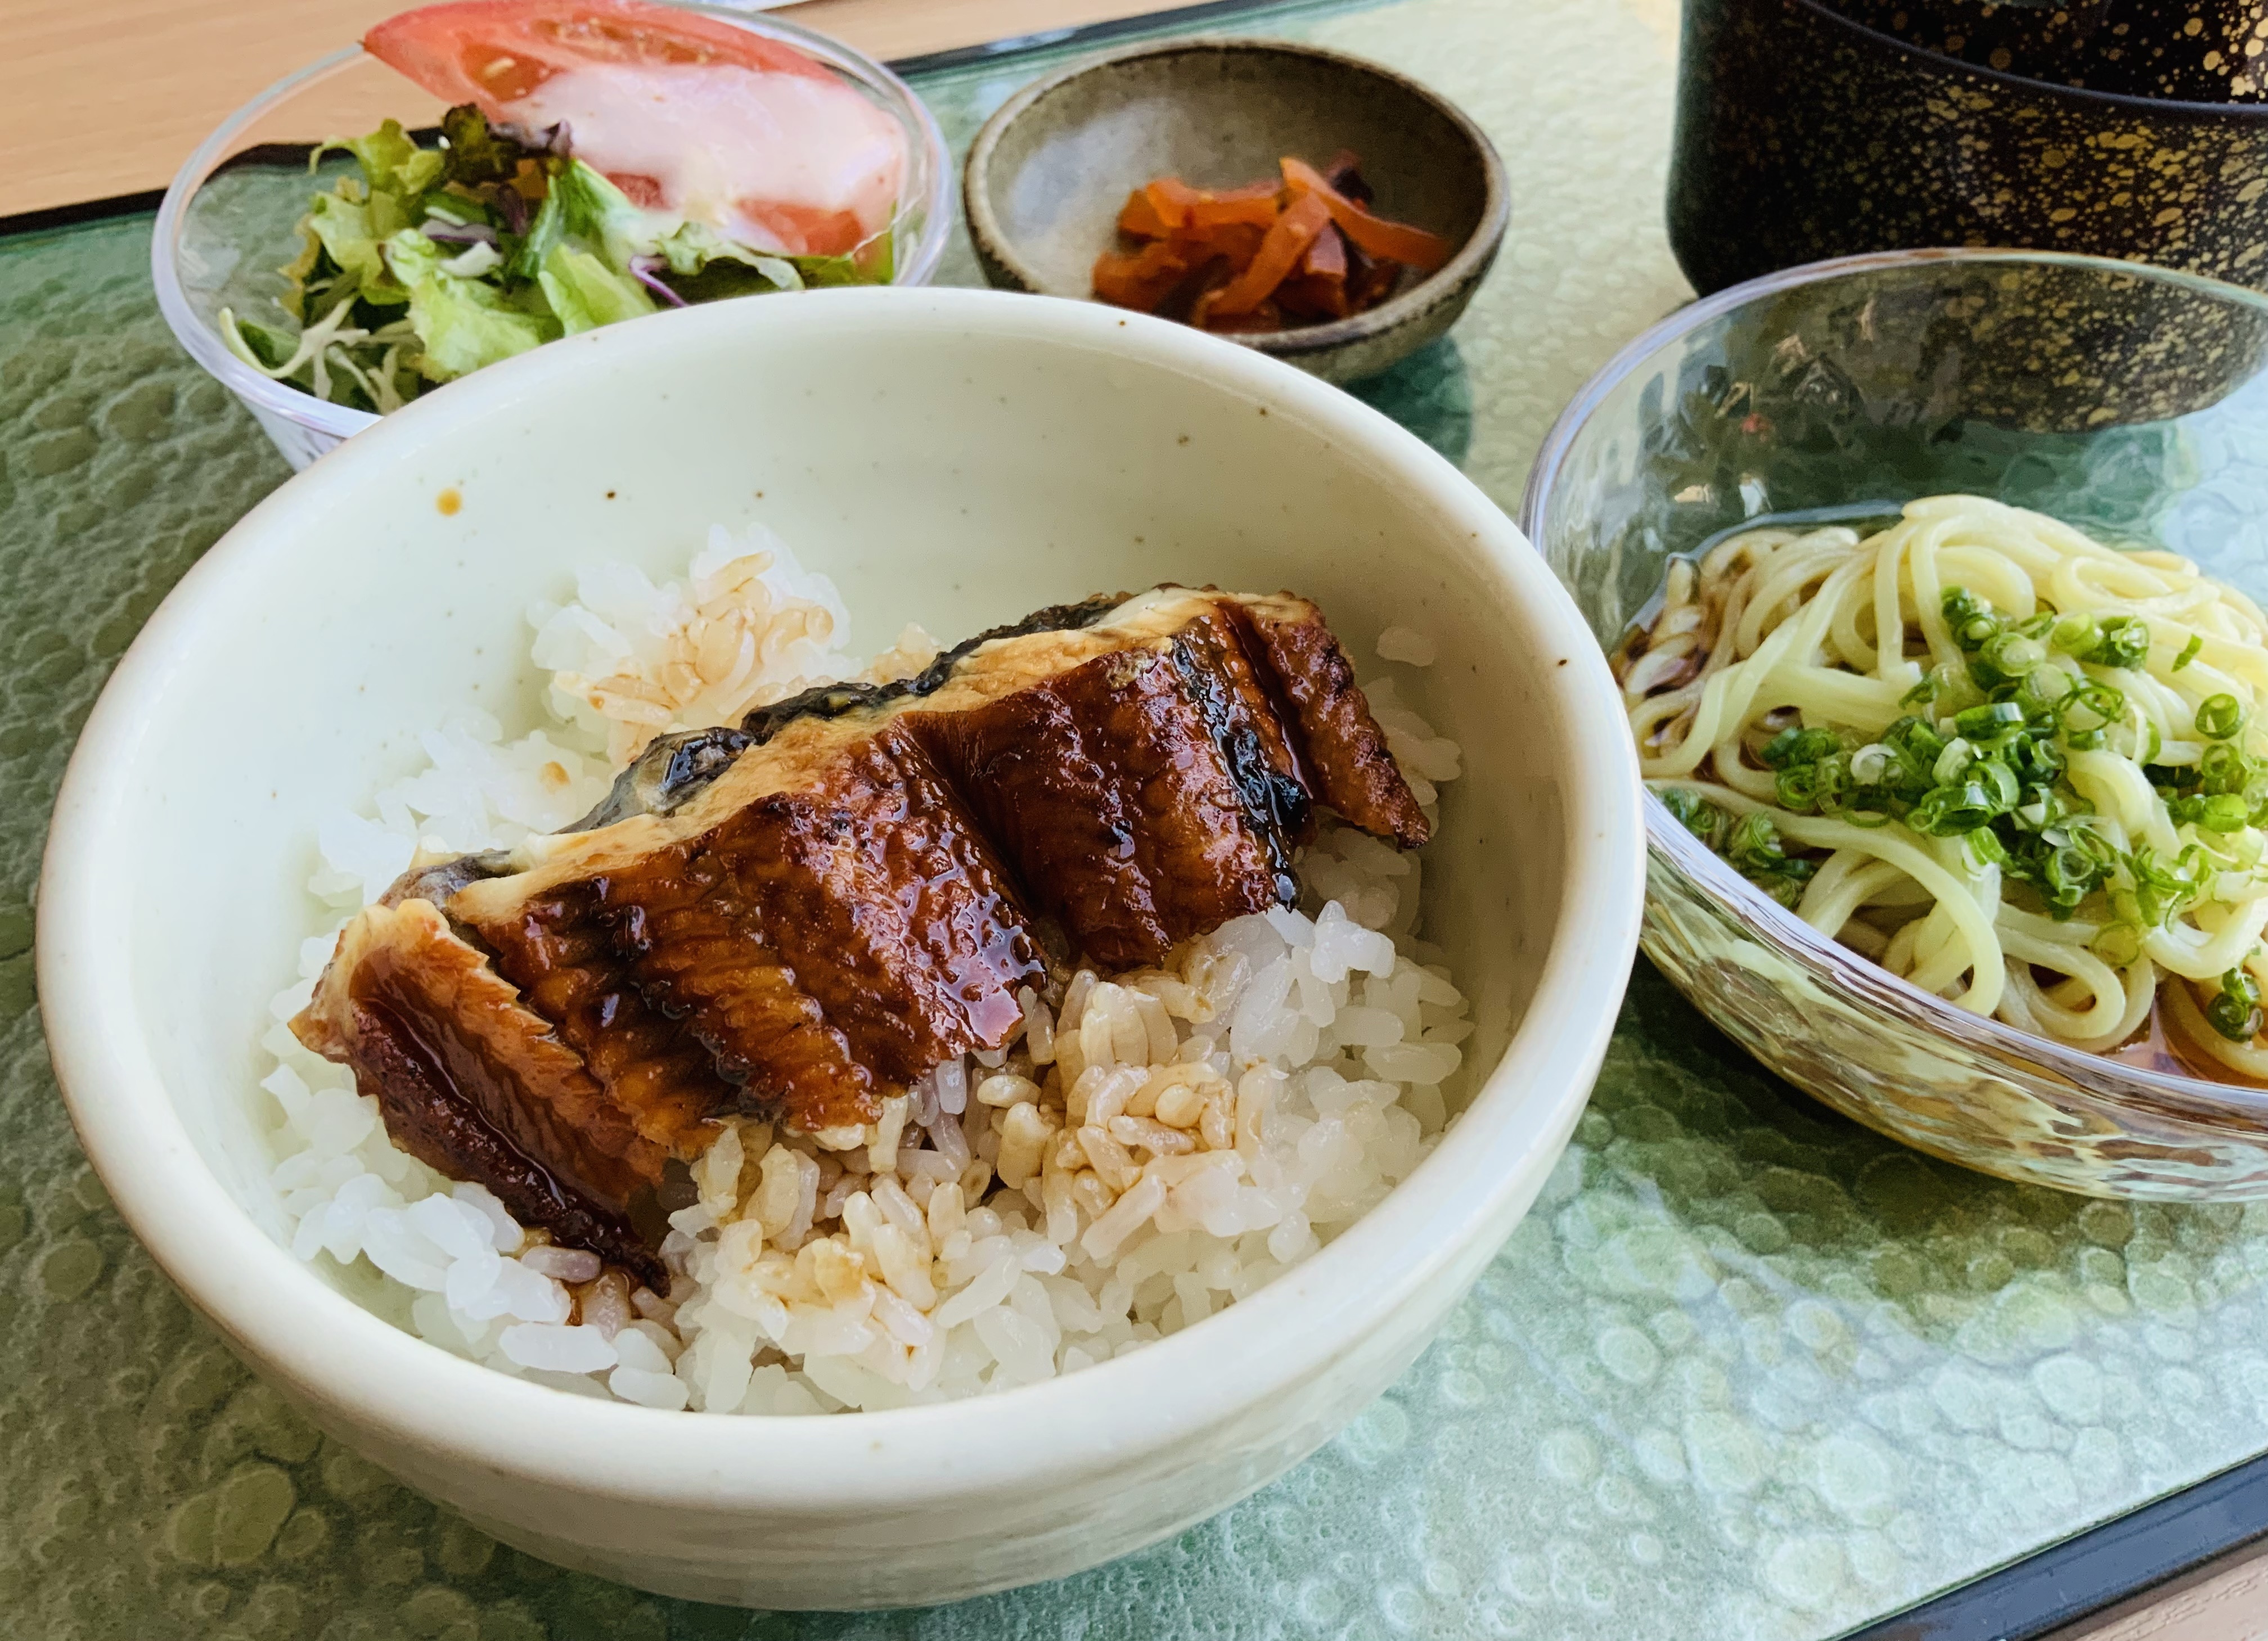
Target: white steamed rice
[(1157, 1146)]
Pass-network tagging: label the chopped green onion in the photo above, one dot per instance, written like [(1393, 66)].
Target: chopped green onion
[(2098, 706), (2005, 657), (2038, 758), (1831, 783), (2068, 875), (2076, 636), (1972, 620), (2041, 688), (1999, 780), (1985, 848), (1792, 745), (2121, 641), (2235, 1012), (1756, 849), (2161, 891), (2222, 768), (1696, 813), (1914, 741), (1952, 762), (2191, 651), (1946, 810), (2218, 717), (2224, 812), (1990, 722), (1756, 842)]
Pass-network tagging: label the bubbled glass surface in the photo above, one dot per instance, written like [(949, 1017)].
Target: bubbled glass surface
[(2130, 402), (1749, 1372)]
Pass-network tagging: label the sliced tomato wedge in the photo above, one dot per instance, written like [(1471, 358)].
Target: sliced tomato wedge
[(493, 53), (684, 111)]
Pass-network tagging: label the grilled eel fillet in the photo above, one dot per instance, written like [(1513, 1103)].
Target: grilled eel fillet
[(797, 916)]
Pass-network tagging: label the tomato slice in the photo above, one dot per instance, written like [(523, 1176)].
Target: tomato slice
[(493, 53), (684, 111)]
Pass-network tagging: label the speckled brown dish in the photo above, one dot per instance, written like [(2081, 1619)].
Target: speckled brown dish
[(1802, 133), (1047, 175)]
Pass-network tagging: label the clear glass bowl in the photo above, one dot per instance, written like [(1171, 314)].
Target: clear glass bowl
[(2128, 400), (225, 228)]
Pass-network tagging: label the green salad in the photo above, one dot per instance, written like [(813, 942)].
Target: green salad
[(436, 261)]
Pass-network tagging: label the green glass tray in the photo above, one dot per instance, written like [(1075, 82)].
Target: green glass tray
[(1747, 1371)]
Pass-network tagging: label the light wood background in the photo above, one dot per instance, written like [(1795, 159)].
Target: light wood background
[(2229, 1604), (103, 98)]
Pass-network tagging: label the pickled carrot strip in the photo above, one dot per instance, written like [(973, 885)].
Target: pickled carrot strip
[(1396, 241), (1171, 198), (1279, 254), (1319, 289), (1143, 280), (1140, 217), (1258, 207)]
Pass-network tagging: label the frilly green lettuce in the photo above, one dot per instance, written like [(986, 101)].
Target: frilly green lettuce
[(585, 293), (464, 323), (434, 261)]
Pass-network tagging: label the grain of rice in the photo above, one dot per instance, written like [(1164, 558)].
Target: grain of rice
[(563, 1265), (1411, 648), (951, 1079)]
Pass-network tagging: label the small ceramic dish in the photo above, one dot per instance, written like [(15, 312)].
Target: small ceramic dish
[(229, 222), (1027, 449), (1861, 385), (1047, 175)]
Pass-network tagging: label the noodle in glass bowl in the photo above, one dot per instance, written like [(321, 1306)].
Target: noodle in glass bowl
[(1857, 421)]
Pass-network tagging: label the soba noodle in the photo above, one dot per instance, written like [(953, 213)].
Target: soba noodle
[(2020, 768)]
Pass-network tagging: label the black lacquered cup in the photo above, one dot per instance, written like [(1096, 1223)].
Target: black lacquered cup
[(1803, 133)]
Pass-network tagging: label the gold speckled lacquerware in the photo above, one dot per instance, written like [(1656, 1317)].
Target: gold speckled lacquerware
[(1802, 134)]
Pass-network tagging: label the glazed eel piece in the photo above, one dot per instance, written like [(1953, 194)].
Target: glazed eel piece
[(798, 916)]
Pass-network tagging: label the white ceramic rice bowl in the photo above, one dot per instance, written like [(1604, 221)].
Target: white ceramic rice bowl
[(951, 457)]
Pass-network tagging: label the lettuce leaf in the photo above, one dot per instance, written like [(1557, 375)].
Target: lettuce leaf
[(391, 163), (585, 293), (462, 324), (353, 234), (819, 272), (595, 210), (546, 232), (477, 154)]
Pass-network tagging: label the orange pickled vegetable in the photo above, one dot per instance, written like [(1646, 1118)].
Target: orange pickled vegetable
[(1319, 289), (1280, 254), (1143, 280), (1396, 241), (1297, 250), (1172, 198), (1142, 218), (1257, 205)]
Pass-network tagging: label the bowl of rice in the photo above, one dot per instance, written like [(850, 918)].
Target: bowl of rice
[(947, 1361)]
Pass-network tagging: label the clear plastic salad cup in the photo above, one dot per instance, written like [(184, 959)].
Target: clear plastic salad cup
[(227, 225)]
